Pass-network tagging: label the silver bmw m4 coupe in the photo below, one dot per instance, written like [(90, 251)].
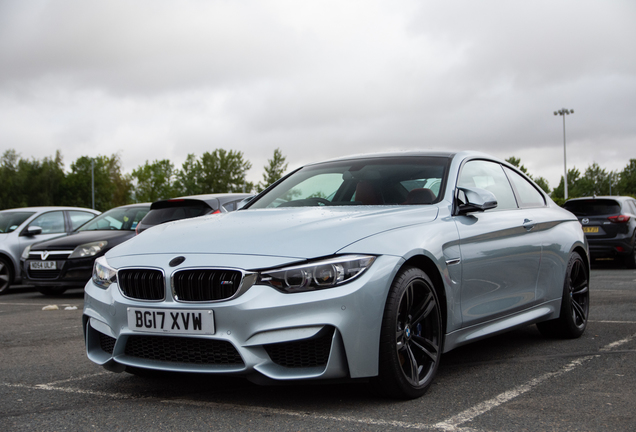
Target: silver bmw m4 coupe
[(367, 267)]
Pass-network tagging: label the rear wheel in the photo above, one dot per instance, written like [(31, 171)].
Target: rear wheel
[(630, 260), (411, 336), (6, 275), (575, 304)]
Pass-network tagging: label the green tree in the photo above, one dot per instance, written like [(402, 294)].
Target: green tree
[(30, 182), (274, 170), (220, 171), (558, 192), (626, 184), (112, 188), (10, 197), (595, 181), (186, 179), (154, 181)]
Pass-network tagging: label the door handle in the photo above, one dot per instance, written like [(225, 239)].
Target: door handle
[(528, 224)]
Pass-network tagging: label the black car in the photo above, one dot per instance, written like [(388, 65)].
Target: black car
[(609, 223), (56, 265), (190, 206)]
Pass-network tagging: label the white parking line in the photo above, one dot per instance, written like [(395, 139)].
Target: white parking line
[(483, 407), (69, 390), (452, 424), (278, 411), (613, 322)]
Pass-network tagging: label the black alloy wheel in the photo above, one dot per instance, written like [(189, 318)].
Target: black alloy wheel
[(6, 275), (575, 304), (411, 336)]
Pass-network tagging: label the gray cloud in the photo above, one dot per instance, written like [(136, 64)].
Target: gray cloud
[(161, 79)]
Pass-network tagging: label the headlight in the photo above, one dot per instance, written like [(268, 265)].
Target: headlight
[(103, 274), (26, 252), (327, 273), (88, 249)]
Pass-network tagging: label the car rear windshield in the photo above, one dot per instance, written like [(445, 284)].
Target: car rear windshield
[(369, 181), (10, 221), (593, 207), (167, 211)]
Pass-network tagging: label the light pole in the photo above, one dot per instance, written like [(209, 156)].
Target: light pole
[(93, 181), (563, 112)]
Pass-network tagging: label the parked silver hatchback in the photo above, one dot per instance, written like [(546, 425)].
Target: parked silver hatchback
[(22, 227)]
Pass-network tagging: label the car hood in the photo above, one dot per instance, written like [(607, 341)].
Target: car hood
[(113, 237), (301, 233)]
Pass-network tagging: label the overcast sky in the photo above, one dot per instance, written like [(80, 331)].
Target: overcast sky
[(158, 79)]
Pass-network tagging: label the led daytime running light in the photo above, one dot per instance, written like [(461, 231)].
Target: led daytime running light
[(318, 275)]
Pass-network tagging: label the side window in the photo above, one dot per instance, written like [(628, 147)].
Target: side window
[(51, 223), (490, 176), (79, 218), (528, 194)]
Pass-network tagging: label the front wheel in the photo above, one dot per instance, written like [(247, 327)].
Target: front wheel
[(411, 336), (6, 275), (575, 304)]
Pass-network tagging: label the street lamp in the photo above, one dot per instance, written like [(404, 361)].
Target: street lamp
[(563, 112)]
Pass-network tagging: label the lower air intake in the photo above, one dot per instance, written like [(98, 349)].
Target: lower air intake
[(304, 353), (183, 350)]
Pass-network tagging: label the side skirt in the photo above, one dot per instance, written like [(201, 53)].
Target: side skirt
[(542, 312)]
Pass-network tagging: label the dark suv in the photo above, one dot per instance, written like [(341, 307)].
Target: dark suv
[(609, 224)]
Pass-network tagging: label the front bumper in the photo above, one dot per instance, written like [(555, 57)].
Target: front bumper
[(332, 333), (71, 273)]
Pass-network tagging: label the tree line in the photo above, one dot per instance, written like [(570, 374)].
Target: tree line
[(593, 181), (32, 182)]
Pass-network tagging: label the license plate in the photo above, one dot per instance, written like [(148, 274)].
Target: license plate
[(590, 229), (170, 321), (43, 265)]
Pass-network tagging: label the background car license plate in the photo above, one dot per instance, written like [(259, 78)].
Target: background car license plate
[(43, 265), (183, 321), (590, 229)]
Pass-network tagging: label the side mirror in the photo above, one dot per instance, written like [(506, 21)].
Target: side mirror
[(244, 202), (475, 199), (33, 231)]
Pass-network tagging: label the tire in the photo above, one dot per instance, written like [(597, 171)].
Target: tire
[(575, 304), (411, 337), (6, 275), (630, 260), (51, 291)]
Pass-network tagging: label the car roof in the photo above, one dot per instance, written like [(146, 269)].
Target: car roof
[(51, 208), (141, 205), (613, 197), (409, 153)]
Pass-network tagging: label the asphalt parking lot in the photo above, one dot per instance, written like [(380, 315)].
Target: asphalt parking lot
[(515, 382)]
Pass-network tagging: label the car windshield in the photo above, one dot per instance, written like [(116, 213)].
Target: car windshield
[(11, 220), (593, 207), (124, 219), (372, 181)]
